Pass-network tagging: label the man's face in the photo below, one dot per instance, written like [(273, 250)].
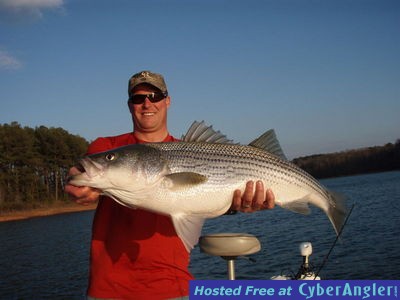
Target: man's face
[(149, 117)]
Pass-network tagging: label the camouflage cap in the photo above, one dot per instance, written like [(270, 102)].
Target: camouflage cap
[(155, 79)]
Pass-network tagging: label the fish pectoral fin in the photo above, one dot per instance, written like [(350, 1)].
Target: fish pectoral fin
[(185, 180), (298, 206), (188, 228)]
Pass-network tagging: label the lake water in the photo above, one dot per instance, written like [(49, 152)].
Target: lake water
[(45, 258)]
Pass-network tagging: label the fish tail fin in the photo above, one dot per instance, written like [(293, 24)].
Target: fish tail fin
[(336, 211)]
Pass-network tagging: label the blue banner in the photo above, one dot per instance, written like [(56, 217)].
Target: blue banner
[(295, 289)]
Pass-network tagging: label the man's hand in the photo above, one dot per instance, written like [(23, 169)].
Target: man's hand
[(253, 200), (81, 194)]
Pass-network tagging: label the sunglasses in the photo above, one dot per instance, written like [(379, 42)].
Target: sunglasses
[(153, 97)]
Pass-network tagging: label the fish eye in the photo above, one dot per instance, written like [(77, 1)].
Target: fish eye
[(110, 156)]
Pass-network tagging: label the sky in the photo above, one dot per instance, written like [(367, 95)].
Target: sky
[(325, 74)]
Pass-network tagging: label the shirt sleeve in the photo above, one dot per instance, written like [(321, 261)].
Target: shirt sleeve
[(99, 145)]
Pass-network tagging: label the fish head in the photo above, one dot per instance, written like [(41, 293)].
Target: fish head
[(129, 168)]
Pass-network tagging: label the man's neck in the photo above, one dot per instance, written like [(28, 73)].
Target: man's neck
[(152, 137)]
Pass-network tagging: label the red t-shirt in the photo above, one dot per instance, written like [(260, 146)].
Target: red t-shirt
[(135, 254)]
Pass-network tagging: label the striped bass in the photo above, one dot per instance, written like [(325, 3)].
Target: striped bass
[(193, 180)]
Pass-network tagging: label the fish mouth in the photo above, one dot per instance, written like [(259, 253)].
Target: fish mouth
[(89, 169), (80, 168)]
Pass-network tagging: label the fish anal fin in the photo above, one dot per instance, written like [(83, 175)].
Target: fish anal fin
[(298, 206), (188, 229)]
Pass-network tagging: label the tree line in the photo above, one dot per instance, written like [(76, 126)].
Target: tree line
[(352, 162), (34, 163)]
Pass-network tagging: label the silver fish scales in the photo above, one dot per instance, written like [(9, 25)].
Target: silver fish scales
[(224, 163)]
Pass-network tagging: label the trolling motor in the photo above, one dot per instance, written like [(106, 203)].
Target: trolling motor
[(305, 271)]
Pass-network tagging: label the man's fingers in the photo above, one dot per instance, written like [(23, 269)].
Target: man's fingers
[(269, 202), (253, 199), (237, 200), (247, 198), (258, 199), (82, 195), (74, 171)]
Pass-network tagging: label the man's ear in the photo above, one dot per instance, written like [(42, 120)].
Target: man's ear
[(130, 105)]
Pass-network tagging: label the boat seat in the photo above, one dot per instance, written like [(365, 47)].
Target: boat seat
[(229, 246)]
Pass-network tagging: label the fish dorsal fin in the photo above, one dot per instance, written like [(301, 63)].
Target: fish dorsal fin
[(184, 180), (188, 228), (200, 132), (269, 142)]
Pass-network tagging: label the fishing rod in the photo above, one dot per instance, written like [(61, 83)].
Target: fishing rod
[(334, 243)]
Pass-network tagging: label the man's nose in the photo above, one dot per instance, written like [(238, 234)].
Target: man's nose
[(146, 102)]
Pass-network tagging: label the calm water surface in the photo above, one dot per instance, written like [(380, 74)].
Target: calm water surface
[(47, 258)]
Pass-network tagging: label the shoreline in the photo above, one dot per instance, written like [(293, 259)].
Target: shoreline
[(45, 211)]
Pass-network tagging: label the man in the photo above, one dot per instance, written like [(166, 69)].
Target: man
[(136, 254)]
